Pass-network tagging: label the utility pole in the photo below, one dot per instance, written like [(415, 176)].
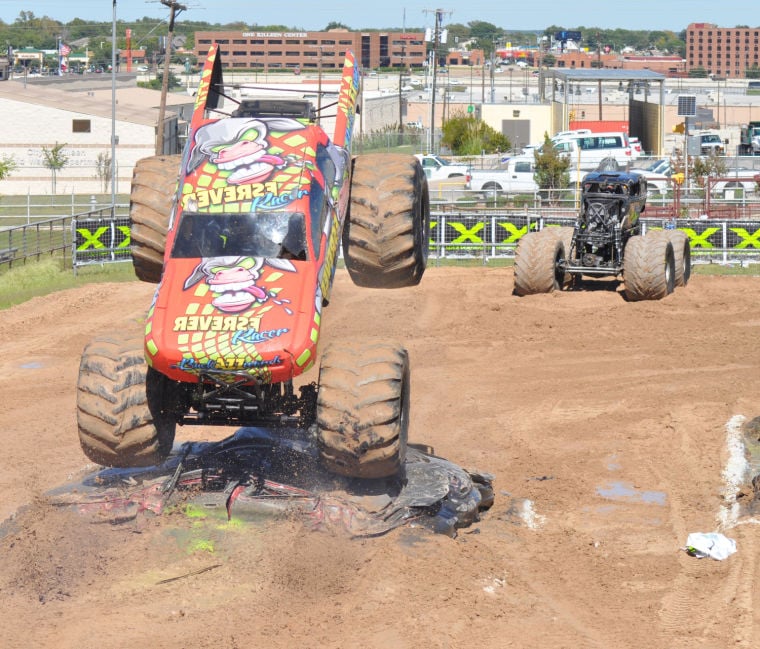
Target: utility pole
[(321, 49), (494, 42), (400, 94), (599, 67), (436, 42), (174, 10)]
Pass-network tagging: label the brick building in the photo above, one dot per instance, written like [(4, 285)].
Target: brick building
[(304, 51), (722, 51), (670, 66)]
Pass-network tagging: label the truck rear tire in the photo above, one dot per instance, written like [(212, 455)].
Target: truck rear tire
[(154, 184), (565, 234), (386, 236), (537, 263), (648, 268), (682, 256), (121, 405), (363, 409)]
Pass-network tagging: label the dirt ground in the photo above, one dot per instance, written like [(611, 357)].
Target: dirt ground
[(605, 423)]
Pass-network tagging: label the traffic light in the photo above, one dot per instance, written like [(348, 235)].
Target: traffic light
[(679, 128)]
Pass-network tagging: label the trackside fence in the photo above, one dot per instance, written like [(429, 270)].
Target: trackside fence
[(468, 235), (96, 236), (103, 236)]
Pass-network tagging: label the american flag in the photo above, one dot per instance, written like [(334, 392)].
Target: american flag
[(65, 50)]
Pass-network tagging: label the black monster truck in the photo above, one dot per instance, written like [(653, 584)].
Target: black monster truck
[(605, 241)]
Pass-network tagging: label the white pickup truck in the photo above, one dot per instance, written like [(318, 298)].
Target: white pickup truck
[(514, 177), (436, 168)]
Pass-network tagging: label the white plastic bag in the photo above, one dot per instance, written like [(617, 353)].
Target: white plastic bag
[(710, 544)]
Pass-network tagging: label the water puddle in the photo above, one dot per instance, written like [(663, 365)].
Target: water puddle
[(625, 491)]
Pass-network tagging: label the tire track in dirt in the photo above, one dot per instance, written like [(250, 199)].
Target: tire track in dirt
[(723, 605)]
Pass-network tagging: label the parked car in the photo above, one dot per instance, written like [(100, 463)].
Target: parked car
[(516, 175), (658, 175), (710, 143), (636, 150), (436, 168), (589, 149), (739, 178)]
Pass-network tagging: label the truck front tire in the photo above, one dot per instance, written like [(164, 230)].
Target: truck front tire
[(121, 405), (363, 409), (386, 236)]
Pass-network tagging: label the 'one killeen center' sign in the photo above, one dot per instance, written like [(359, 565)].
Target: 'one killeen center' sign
[(275, 34)]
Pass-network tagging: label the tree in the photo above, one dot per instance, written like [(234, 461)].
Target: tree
[(485, 35), (549, 60), (711, 165), (698, 73), (7, 165), (155, 84), (103, 169), (551, 166), (55, 160), (467, 135), (336, 25)]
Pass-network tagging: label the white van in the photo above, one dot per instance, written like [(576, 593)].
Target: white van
[(592, 148), (577, 131)]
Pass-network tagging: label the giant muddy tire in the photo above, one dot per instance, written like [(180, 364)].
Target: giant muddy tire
[(648, 267), (363, 409), (536, 263), (154, 184), (121, 405), (682, 256), (565, 234), (386, 236)]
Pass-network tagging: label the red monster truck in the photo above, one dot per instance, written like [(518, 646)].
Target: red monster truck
[(244, 249)]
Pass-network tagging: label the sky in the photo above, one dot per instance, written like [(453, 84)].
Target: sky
[(314, 15)]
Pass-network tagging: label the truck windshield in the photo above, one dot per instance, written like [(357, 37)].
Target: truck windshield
[(275, 234)]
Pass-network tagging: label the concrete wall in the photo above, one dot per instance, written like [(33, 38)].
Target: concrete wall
[(27, 128)]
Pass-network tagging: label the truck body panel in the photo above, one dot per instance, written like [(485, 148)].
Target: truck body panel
[(253, 241)]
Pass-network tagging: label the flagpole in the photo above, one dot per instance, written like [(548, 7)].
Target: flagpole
[(58, 40)]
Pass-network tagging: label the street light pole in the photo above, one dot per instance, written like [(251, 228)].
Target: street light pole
[(113, 110), (470, 82)]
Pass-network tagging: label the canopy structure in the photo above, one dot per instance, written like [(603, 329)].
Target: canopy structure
[(646, 118)]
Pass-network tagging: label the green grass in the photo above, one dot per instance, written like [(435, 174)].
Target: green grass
[(16, 210), (25, 281), (750, 270)]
